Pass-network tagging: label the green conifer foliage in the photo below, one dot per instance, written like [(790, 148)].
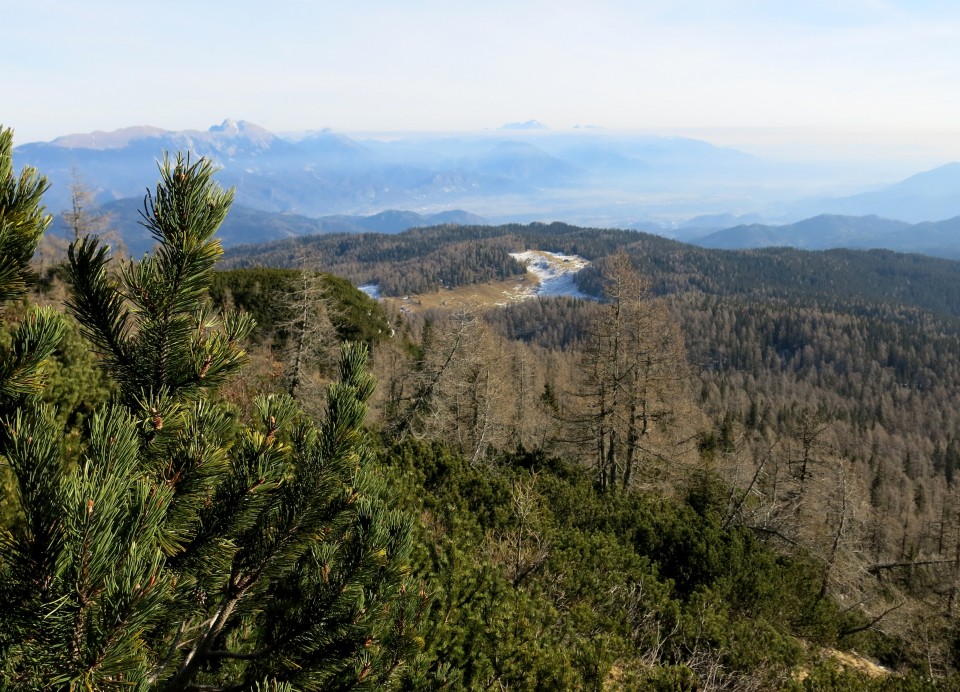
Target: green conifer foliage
[(25, 344), (187, 550), (22, 223)]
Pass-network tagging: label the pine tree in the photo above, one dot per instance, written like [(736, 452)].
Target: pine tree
[(186, 549)]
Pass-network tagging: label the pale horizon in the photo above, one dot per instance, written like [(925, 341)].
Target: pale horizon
[(883, 71)]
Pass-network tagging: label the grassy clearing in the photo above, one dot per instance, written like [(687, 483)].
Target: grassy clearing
[(476, 296)]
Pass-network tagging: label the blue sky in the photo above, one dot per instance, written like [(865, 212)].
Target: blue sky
[(879, 69)]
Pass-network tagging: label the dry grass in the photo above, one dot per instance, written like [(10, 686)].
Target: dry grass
[(851, 659), (475, 296)]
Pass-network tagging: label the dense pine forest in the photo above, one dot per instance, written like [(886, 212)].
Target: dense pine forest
[(726, 471)]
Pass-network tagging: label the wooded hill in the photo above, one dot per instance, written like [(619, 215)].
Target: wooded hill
[(424, 259)]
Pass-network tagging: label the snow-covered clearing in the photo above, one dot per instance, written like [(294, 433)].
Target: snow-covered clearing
[(548, 274), (553, 271), (372, 290)]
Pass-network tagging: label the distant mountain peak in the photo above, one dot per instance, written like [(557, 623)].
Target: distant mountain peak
[(528, 125), (228, 126), (234, 128)]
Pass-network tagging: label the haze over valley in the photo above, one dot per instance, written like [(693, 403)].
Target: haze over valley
[(679, 187)]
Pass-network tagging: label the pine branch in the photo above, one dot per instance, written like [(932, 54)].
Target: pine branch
[(98, 305), (33, 342)]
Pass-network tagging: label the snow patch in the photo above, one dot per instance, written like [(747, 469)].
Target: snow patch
[(372, 290), (554, 272)]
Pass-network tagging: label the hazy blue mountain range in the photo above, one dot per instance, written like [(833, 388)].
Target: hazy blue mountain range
[(940, 238), (526, 125), (247, 225), (510, 171), (927, 196), (718, 221), (324, 181)]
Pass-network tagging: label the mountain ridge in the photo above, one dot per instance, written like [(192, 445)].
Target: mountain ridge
[(929, 195), (248, 225), (830, 231)]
